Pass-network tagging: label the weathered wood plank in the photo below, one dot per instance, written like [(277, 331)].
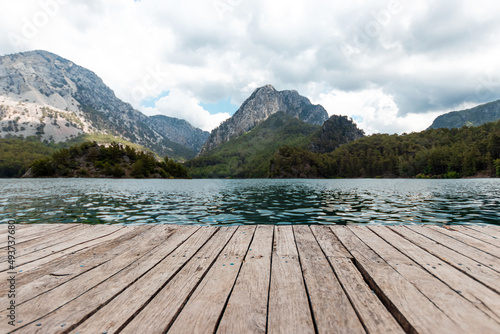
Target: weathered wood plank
[(332, 310), (329, 242), (117, 233), (471, 252), (479, 235), (160, 313), (471, 241), (473, 291), (41, 243), (493, 230), (373, 314), (37, 231), (49, 275), (204, 308), (139, 258), (114, 315), (289, 310), (483, 274), (414, 311), (77, 239), (75, 310), (246, 310), (469, 318)]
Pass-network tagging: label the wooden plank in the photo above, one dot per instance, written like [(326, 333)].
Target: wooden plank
[(414, 311), (138, 257), (332, 310), (77, 239), (479, 235), (246, 310), (473, 291), (95, 292), (372, 313), (468, 266), (205, 307), (471, 241), (114, 315), (289, 310), (329, 242), (493, 230), (159, 314), (471, 252), (37, 231), (49, 275), (119, 232), (469, 318), (38, 244)]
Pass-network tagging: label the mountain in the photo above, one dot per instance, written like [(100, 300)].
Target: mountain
[(485, 113), (249, 155), (264, 102), (179, 131), (44, 95), (337, 130)]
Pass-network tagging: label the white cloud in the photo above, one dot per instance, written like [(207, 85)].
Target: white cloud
[(429, 56), (374, 111), (183, 105)]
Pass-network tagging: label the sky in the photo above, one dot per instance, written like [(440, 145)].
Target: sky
[(393, 66)]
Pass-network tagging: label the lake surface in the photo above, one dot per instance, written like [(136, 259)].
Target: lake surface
[(226, 202)]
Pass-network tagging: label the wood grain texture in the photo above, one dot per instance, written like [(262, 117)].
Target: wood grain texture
[(160, 313), (372, 313), (289, 310), (468, 240), (46, 304), (473, 253), (493, 230), (414, 311), (287, 279), (246, 311), (470, 267), (479, 235), (473, 291), (49, 275), (332, 310), (468, 317), (204, 308), (113, 316)]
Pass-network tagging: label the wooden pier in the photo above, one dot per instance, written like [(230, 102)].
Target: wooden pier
[(251, 279)]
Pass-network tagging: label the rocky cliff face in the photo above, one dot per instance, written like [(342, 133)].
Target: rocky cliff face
[(179, 131), (42, 94), (485, 113), (264, 102)]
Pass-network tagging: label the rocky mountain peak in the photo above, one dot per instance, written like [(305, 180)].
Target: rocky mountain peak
[(44, 95), (264, 102)]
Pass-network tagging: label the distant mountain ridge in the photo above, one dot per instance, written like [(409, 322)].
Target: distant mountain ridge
[(485, 113), (44, 95), (179, 131), (264, 102)]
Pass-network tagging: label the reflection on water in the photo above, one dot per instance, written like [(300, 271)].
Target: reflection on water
[(224, 202)]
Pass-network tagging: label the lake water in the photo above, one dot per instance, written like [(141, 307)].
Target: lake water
[(226, 202)]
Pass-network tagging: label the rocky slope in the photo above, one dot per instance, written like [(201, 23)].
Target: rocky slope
[(44, 95), (264, 102), (179, 131), (476, 116)]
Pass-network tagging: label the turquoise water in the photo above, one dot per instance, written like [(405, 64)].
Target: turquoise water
[(226, 202)]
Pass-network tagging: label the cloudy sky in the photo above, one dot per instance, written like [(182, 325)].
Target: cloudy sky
[(392, 65)]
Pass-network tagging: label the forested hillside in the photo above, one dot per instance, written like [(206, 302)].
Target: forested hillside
[(448, 153), (92, 160)]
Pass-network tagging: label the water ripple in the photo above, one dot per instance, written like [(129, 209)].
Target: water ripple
[(234, 202)]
